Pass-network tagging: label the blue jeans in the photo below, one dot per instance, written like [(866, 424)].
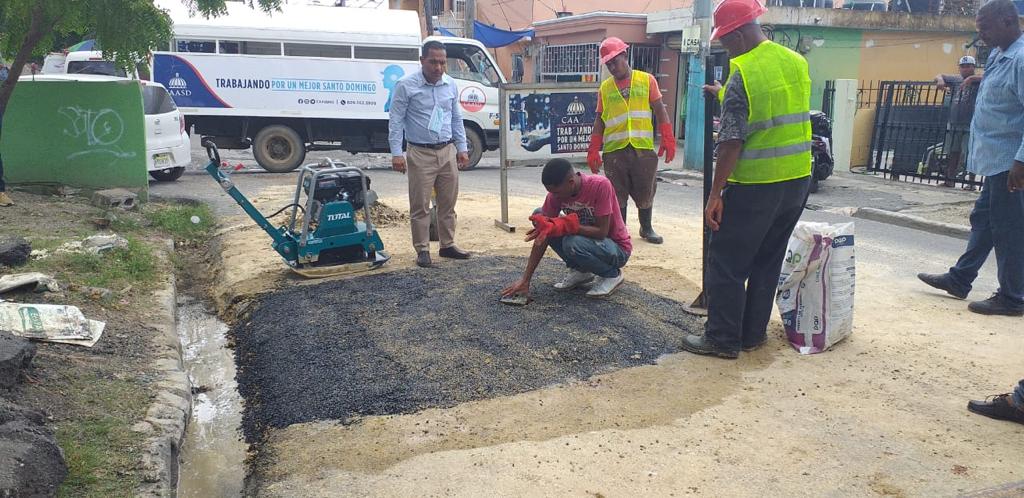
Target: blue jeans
[(603, 258), (997, 221)]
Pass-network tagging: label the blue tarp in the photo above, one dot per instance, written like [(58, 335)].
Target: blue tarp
[(490, 36), (445, 32), (493, 37)]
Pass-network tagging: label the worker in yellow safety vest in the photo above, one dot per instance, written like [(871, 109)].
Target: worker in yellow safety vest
[(761, 180), (624, 130)]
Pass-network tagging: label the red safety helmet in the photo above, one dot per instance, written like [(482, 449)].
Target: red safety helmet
[(731, 14), (611, 47)]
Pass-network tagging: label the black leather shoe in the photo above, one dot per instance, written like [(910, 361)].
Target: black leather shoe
[(997, 305), (453, 253), (997, 407), (423, 259), (697, 344), (942, 281)]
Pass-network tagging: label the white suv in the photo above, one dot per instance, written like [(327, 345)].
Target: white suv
[(168, 150)]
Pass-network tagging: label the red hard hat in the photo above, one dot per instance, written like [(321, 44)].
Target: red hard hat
[(731, 14), (611, 47)]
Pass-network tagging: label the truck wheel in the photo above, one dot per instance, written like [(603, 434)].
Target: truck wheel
[(279, 149), (475, 144), (167, 174)]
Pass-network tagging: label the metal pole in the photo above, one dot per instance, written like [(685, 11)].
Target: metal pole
[(428, 13), (503, 118), (470, 16), (699, 146)]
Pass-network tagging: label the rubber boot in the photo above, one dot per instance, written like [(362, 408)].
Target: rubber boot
[(622, 209), (646, 230)]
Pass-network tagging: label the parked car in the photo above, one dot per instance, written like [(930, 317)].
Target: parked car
[(168, 150), (82, 62)]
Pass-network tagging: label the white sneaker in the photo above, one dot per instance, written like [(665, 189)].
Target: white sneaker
[(603, 287), (574, 279)]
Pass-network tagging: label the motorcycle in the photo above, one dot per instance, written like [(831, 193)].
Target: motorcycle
[(821, 148)]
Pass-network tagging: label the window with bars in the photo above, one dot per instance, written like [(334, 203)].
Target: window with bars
[(569, 61), (436, 7), (644, 58)]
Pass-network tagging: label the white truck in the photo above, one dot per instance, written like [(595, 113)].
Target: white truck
[(311, 78), (83, 62)]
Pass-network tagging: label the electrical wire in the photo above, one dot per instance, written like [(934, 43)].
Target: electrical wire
[(548, 6), (286, 207), (501, 6)]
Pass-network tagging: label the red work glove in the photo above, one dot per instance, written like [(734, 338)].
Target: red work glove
[(541, 222), (668, 142), (594, 153), (564, 225)]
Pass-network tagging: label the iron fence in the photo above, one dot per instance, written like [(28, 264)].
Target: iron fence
[(912, 139), (828, 99)]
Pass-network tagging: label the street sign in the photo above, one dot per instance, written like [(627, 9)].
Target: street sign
[(690, 42)]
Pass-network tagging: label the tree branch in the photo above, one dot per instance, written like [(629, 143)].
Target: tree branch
[(32, 38)]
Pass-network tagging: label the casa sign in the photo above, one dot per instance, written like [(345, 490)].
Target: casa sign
[(690, 42)]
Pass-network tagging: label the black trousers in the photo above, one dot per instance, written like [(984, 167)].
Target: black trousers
[(745, 258)]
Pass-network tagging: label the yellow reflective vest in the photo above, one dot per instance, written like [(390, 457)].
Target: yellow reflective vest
[(777, 147), (627, 122)]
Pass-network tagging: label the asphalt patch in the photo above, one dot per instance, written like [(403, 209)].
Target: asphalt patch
[(399, 342)]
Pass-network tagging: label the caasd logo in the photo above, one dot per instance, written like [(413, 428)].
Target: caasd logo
[(575, 107), (472, 99), (178, 87)]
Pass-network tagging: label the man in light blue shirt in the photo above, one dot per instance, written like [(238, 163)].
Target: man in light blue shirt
[(425, 113), (997, 153)]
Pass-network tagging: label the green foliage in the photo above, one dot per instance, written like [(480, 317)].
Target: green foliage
[(126, 29), (176, 220), (134, 265), (99, 446)]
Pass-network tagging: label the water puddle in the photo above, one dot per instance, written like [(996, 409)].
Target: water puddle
[(213, 454)]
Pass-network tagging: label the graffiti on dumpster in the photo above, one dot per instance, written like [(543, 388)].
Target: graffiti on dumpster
[(98, 131)]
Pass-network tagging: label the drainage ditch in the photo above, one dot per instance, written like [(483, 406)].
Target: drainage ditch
[(213, 454)]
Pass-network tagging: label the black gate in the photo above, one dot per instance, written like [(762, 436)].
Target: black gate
[(912, 139)]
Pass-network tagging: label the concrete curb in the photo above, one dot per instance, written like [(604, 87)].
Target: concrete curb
[(915, 222), (676, 174), (167, 417)]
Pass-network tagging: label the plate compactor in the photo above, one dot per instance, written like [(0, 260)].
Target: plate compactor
[(330, 241)]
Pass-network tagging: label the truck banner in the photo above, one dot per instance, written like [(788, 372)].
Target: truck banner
[(279, 87)]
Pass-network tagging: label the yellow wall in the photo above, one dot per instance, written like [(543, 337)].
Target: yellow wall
[(910, 56)]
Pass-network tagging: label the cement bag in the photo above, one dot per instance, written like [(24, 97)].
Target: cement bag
[(815, 295), (49, 322)]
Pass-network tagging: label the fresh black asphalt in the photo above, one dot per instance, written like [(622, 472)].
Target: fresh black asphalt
[(399, 342)]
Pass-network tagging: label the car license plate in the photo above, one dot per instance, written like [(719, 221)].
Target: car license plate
[(162, 160)]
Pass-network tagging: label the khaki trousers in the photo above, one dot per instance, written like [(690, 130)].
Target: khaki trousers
[(431, 170)]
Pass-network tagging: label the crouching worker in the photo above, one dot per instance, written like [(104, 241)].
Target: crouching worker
[(580, 220)]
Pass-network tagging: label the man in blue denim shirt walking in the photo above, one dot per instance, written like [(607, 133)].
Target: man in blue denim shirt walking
[(997, 221), (997, 153)]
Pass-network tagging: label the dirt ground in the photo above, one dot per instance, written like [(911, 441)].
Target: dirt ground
[(956, 214), (92, 396), (883, 413)]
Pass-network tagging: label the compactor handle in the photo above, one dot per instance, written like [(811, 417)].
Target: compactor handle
[(211, 150)]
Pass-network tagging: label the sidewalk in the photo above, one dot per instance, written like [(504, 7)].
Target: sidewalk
[(921, 206)]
